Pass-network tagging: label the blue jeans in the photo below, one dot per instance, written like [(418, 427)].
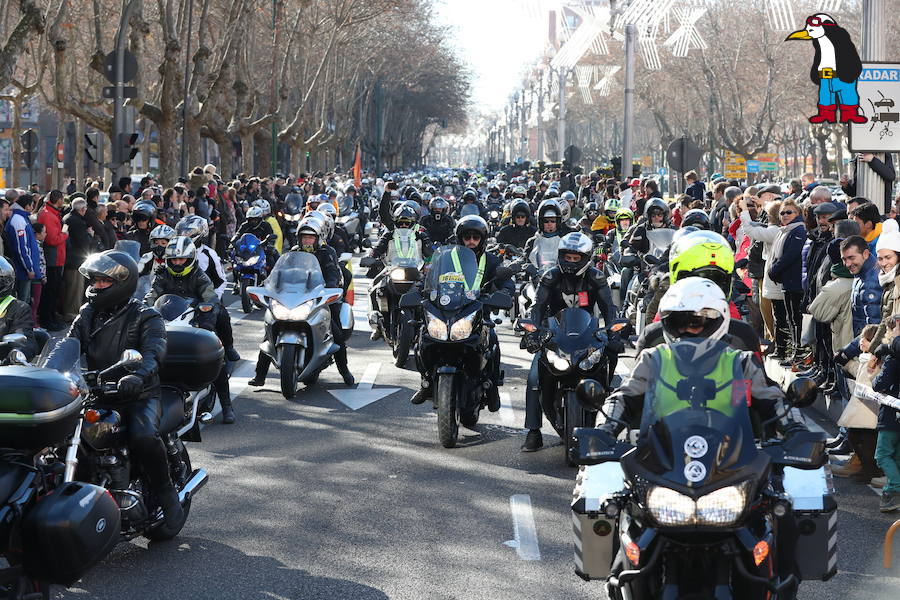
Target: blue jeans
[(887, 455), (834, 91), (23, 290)]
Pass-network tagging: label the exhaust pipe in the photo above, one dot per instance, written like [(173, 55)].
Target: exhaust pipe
[(198, 479)]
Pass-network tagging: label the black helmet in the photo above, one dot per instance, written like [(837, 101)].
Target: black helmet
[(472, 223), (438, 206), (548, 209), (657, 204), (406, 215), (143, 210), (7, 278), (119, 267), (575, 243), (469, 194), (520, 208), (415, 196), (350, 188), (696, 218)]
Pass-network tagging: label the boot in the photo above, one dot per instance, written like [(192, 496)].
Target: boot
[(262, 369), (232, 354), (172, 510), (827, 114), (340, 359), (851, 467), (376, 333), (534, 441), (421, 395), (850, 114)]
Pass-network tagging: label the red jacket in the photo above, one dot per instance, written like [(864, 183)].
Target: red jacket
[(50, 218)]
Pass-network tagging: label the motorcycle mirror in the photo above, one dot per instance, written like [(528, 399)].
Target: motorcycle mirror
[(591, 393), (410, 299), (802, 392), (17, 357), (130, 357), (14, 339), (651, 260)]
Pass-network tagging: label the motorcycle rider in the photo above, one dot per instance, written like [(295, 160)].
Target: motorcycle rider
[(519, 231), (549, 218), (109, 323), (255, 224), (269, 218), (470, 199), (573, 282), (589, 224), (183, 277), (159, 239), (361, 206), (658, 216), (311, 238), (438, 223), (472, 232), (143, 217), (15, 315), (196, 228)]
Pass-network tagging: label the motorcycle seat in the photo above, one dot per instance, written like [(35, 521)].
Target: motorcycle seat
[(11, 477), (172, 404)]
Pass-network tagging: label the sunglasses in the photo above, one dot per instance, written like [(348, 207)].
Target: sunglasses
[(549, 220), (472, 236), (786, 212)]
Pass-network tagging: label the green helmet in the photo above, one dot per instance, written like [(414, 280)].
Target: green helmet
[(624, 213), (702, 254)]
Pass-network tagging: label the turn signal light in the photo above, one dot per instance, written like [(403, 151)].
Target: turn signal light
[(633, 553), (91, 415), (760, 552)]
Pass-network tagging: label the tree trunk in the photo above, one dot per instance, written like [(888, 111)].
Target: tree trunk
[(16, 144), (169, 152), (59, 168), (192, 139), (79, 153), (145, 147), (265, 151), (247, 149), (226, 158)]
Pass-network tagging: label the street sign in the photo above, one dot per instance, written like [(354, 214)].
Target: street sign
[(109, 67), (753, 166), (735, 166), (109, 92), (683, 155), (663, 171), (767, 161), (879, 100)]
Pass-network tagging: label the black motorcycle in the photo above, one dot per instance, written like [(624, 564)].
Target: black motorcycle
[(698, 509), (573, 348), (453, 343)]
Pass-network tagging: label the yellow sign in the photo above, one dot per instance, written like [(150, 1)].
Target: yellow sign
[(647, 161), (735, 166)]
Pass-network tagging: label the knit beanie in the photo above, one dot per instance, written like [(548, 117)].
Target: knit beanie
[(890, 236)]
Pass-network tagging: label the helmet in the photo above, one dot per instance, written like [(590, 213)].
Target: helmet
[(568, 195), (415, 196), (119, 267), (350, 188), (551, 193), (520, 208), (592, 210), (180, 247), (612, 206), (405, 215), (328, 209), (469, 194), (472, 223), (314, 201), (160, 232), (702, 254), (519, 192), (548, 209), (264, 205), (438, 207), (575, 243), (332, 193), (311, 225), (624, 213), (7, 278), (694, 301), (656, 204), (416, 208), (254, 212), (564, 209), (695, 217), (493, 189), (328, 217), (195, 227), (143, 211)]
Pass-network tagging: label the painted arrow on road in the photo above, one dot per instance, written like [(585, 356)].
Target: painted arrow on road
[(364, 393)]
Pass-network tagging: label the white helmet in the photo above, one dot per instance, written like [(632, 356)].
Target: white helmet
[(265, 206), (696, 301)]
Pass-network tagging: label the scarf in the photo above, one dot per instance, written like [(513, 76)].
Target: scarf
[(839, 270), (886, 278)]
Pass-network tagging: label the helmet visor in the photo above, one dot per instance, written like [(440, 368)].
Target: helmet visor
[(104, 266)]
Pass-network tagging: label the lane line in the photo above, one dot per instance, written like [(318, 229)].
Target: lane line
[(506, 414), (525, 542), (369, 375)]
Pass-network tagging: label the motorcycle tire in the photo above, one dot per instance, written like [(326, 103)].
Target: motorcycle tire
[(246, 304), (288, 371), (404, 343), (163, 532), (448, 416)]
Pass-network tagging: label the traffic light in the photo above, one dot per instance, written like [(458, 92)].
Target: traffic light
[(128, 146), (92, 146), (29, 142)]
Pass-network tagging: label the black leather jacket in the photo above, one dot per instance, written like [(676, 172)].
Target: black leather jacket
[(106, 334), (195, 284), (557, 291), (439, 230), (515, 235), (142, 236), (17, 319)]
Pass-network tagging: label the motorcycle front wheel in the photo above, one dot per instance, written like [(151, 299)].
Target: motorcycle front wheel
[(288, 371), (575, 416), (404, 342), (448, 416), (163, 532), (246, 305)]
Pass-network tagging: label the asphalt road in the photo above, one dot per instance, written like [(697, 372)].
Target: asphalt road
[(309, 498)]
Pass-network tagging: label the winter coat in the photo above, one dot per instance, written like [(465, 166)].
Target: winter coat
[(785, 262), (832, 307), (55, 242), (890, 306), (696, 190), (24, 246), (888, 382), (766, 234), (81, 244), (816, 255), (865, 300)]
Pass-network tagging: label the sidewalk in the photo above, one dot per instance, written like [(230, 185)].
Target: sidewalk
[(831, 411)]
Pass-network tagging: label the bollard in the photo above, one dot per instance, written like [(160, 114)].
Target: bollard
[(889, 543)]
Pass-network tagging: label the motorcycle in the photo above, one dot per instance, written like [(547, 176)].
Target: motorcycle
[(454, 338), (541, 259), (289, 217), (349, 219), (572, 349), (248, 255), (494, 215), (636, 298), (698, 509), (298, 336), (402, 271)]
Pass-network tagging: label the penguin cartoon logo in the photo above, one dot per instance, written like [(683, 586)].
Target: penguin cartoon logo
[(835, 69)]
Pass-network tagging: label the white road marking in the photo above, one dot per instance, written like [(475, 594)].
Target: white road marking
[(506, 414), (525, 542), (367, 381), (363, 394)]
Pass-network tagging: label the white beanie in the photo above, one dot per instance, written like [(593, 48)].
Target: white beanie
[(890, 236)]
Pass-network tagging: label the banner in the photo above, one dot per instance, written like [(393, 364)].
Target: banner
[(357, 167)]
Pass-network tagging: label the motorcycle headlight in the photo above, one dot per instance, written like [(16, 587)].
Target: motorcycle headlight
[(398, 274), (251, 261), (669, 507), (435, 326), (298, 313), (494, 214), (591, 360), (462, 328), (559, 363), (722, 507)]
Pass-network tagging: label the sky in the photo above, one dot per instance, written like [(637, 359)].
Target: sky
[(497, 40)]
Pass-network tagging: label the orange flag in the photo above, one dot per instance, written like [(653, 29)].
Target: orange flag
[(357, 167)]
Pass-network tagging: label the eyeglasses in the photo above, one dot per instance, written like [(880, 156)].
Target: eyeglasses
[(472, 236), (786, 212), (816, 22), (549, 219)]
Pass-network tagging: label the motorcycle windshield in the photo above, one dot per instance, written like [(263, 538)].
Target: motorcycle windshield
[(469, 209), (248, 245), (295, 272), (694, 433), (573, 330), (63, 355), (171, 306), (545, 253), (293, 204), (454, 270), (345, 205), (130, 247), (660, 240), (403, 250)]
